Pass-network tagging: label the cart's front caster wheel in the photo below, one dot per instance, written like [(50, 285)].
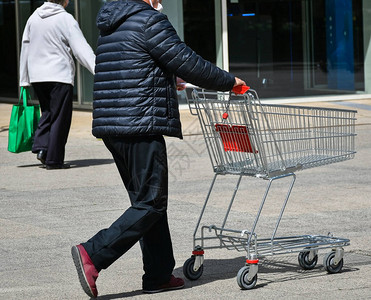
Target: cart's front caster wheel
[(305, 262), (329, 263), (242, 279), (189, 271)]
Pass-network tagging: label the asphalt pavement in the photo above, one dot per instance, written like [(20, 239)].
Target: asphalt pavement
[(44, 212)]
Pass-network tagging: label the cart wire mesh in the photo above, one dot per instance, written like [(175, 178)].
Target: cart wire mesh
[(244, 136)]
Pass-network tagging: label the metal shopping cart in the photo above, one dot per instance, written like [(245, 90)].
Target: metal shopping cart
[(247, 138)]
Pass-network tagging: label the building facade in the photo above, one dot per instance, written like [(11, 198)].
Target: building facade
[(281, 48)]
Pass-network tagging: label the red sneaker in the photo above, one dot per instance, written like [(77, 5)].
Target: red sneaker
[(175, 283), (86, 270)]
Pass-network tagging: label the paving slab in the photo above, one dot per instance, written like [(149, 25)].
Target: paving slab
[(44, 212)]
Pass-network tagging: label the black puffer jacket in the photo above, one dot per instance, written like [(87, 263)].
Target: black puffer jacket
[(138, 56)]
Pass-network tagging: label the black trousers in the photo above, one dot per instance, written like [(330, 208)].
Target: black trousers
[(52, 132), (142, 164)]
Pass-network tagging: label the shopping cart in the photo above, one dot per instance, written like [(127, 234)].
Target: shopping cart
[(247, 138)]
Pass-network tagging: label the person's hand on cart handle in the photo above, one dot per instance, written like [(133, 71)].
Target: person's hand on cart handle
[(238, 82), (180, 84), (240, 86)]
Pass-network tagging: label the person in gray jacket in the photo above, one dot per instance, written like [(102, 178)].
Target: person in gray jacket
[(139, 57), (50, 40)]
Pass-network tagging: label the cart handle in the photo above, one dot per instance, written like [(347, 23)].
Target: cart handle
[(190, 102), (240, 89)]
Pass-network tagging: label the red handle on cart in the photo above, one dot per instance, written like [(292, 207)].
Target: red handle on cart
[(240, 89)]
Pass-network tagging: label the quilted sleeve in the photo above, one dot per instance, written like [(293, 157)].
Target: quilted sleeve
[(166, 48)]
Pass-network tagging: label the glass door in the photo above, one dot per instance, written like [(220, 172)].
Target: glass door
[(294, 48), (266, 46), (199, 27), (334, 47), (88, 10), (8, 51)]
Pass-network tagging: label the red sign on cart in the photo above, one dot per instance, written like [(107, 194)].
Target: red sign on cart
[(235, 138)]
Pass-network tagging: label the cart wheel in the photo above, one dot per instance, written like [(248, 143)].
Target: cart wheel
[(305, 262), (242, 281), (328, 262), (188, 269)]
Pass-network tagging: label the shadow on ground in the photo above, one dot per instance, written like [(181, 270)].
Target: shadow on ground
[(270, 270), (81, 163)]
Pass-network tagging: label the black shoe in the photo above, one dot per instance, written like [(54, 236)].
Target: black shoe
[(175, 283), (41, 156), (58, 166)]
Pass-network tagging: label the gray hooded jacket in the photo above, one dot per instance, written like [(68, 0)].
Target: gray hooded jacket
[(50, 40)]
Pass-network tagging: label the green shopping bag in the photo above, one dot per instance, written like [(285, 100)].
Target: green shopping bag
[(23, 123)]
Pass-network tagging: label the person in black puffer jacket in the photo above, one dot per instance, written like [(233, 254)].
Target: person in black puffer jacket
[(139, 57)]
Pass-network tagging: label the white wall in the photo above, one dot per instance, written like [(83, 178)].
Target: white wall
[(174, 10), (367, 44)]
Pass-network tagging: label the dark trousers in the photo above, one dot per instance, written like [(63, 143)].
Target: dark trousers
[(142, 164), (52, 132)]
